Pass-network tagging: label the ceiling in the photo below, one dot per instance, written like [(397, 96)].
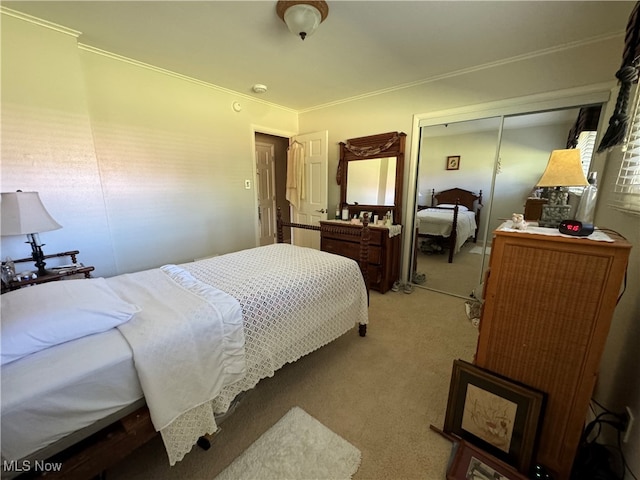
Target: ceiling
[(362, 48)]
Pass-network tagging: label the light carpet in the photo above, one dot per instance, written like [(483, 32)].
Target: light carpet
[(297, 447)]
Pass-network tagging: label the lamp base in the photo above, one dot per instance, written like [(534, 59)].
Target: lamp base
[(38, 257), (552, 215)]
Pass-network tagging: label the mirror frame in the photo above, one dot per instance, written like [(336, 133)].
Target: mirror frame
[(383, 145)]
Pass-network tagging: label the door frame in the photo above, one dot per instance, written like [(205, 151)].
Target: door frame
[(272, 173), (267, 131)]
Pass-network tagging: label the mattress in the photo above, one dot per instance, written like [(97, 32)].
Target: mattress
[(439, 222), (55, 392)]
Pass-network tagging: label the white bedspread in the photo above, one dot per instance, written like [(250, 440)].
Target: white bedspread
[(294, 300), (439, 222), (187, 344)]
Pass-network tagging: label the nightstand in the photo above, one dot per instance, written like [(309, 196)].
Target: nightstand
[(57, 273)]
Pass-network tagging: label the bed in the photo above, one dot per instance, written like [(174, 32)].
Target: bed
[(454, 215), (248, 314)]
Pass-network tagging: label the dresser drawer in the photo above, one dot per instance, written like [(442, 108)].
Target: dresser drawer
[(350, 249), (375, 236)]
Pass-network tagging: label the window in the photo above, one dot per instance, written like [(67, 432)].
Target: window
[(626, 193), (586, 144)]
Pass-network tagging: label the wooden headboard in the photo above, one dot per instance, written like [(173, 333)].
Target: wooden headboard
[(457, 195)]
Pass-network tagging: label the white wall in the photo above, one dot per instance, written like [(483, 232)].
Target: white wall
[(140, 167)]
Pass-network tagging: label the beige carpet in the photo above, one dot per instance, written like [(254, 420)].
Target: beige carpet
[(380, 393), (458, 278)]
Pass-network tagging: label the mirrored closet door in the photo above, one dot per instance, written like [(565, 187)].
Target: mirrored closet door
[(498, 160)]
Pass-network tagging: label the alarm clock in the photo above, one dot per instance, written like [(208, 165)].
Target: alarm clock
[(576, 228)]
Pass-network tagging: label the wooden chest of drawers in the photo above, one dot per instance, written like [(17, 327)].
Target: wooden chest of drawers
[(548, 306), (384, 253)]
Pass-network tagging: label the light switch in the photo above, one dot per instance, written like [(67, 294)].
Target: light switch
[(247, 184)]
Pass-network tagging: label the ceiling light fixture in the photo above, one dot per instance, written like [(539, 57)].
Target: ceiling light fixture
[(302, 16)]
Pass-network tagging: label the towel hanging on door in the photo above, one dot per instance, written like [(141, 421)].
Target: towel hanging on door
[(295, 174)]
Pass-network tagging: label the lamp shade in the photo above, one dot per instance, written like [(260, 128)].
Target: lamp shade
[(564, 169), (303, 16), (23, 213)]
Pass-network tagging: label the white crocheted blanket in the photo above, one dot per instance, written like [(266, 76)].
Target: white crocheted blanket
[(294, 300)]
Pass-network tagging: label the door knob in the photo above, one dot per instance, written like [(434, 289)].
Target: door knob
[(322, 211)]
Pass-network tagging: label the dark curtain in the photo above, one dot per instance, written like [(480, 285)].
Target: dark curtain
[(627, 76), (587, 121)]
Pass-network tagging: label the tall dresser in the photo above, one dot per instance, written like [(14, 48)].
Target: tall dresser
[(548, 306)]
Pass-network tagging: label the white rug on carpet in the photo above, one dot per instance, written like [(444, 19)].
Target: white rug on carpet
[(297, 447), (477, 249)]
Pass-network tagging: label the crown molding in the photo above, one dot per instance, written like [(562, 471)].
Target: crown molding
[(39, 22)]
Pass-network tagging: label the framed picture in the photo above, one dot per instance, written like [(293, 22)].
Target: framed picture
[(453, 163), (469, 462), (496, 414)]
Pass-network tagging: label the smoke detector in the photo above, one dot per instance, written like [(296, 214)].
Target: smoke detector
[(259, 88)]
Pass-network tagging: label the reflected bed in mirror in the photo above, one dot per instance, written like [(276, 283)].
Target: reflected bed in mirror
[(452, 219)]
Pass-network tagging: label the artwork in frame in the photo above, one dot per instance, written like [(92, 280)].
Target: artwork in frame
[(494, 413), (470, 462), (453, 163)]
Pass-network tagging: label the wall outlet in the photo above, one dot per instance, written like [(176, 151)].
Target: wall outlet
[(630, 421)]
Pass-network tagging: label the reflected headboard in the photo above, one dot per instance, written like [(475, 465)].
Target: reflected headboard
[(460, 196)]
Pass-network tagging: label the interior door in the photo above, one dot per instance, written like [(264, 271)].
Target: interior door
[(313, 207), (265, 179)]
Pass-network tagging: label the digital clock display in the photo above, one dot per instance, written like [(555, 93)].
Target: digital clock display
[(575, 228)]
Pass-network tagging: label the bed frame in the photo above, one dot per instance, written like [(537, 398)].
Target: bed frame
[(89, 452), (457, 196)]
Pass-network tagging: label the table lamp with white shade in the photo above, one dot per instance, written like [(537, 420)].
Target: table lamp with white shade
[(23, 213)]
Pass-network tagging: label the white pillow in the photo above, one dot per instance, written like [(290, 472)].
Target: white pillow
[(41, 316), (461, 208)]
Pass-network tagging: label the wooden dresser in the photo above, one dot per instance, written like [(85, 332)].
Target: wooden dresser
[(384, 252), (548, 306)]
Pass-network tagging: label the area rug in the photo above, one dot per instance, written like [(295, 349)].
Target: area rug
[(479, 250), (297, 447)]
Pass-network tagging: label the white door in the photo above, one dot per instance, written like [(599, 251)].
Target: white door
[(313, 207), (265, 180)]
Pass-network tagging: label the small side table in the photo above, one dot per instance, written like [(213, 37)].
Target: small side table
[(57, 273)]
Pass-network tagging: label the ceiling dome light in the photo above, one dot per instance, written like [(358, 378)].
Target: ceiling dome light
[(302, 17)]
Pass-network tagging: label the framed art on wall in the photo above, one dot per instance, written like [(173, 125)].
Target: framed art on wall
[(453, 163), (494, 413)]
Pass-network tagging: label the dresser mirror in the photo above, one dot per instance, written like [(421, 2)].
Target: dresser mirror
[(370, 174), (372, 181)]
